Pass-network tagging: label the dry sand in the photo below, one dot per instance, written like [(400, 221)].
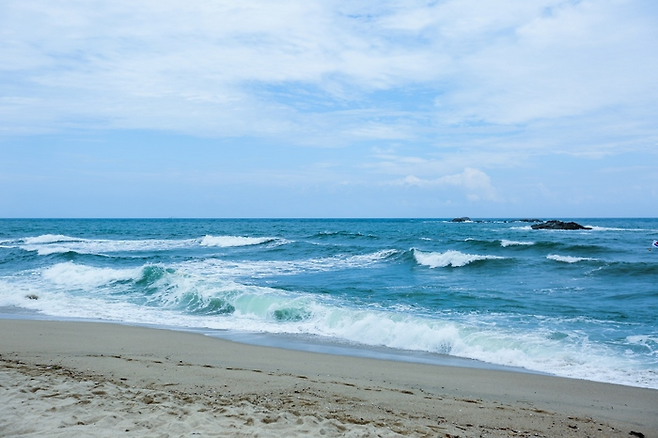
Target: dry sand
[(66, 379)]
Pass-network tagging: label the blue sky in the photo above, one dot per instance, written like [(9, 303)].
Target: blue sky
[(487, 108)]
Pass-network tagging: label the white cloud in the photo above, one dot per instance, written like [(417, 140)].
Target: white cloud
[(335, 73), (580, 58), (475, 184)]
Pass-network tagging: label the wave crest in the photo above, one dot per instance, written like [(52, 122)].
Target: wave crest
[(50, 238), (230, 241), (506, 243), (71, 275), (449, 258), (568, 259)]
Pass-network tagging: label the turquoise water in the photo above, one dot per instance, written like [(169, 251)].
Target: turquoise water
[(580, 304)]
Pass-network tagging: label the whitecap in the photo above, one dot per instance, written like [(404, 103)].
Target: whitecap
[(61, 244), (266, 268), (71, 275), (505, 243), (50, 238), (568, 259), (448, 258), (229, 241)]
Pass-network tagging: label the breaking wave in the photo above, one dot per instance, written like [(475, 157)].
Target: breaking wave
[(505, 243), (229, 241), (155, 294), (568, 259), (448, 258), (58, 244)]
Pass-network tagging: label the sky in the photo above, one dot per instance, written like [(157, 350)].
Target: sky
[(308, 108)]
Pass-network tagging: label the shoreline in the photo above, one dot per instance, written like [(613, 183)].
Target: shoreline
[(304, 343), (99, 379)]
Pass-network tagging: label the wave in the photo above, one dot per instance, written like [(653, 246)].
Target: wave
[(50, 238), (568, 259), (494, 244), (154, 294), (231, 241), (448, 258), (634, 269), (55, 244), (505, 243), (150, 293), (76, 276), (643, 230), (497, 243), (189, 298), (348, 234), (59, 244), (585, 249), (268, 268)]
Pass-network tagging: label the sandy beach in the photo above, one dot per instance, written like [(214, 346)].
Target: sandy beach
[(64, 379)]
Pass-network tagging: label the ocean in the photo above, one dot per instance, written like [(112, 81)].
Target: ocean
[(493, 292)]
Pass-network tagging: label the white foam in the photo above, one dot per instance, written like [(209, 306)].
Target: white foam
[(266, 268), (54, 244), (50, 238), (71, 275), (470, 336), (597, 228), (567, 259), (50, 249), (448, 258), (649, 342), (229, 241), (505, 243)]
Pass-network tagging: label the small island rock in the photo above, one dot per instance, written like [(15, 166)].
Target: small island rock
[(559, 225)]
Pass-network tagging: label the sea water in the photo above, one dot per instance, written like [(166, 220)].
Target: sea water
[(581, 304)]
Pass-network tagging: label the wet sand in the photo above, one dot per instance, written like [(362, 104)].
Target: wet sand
[(65, 379)]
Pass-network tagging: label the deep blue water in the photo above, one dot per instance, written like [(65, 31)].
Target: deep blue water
[(581, 304)]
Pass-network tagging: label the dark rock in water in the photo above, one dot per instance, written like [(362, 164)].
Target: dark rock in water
[(530, 220), (462, 219), (559, 225)]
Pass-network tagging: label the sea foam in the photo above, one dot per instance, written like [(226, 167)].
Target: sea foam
[(50, 238), (448, 258), (71, 275), (267, 268), (180, 297), (568, 259), (229, 241), (358, 282), (56, 244), (506, 243)]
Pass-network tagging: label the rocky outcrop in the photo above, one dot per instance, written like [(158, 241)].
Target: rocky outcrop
[(559, 225), (462, 219)]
